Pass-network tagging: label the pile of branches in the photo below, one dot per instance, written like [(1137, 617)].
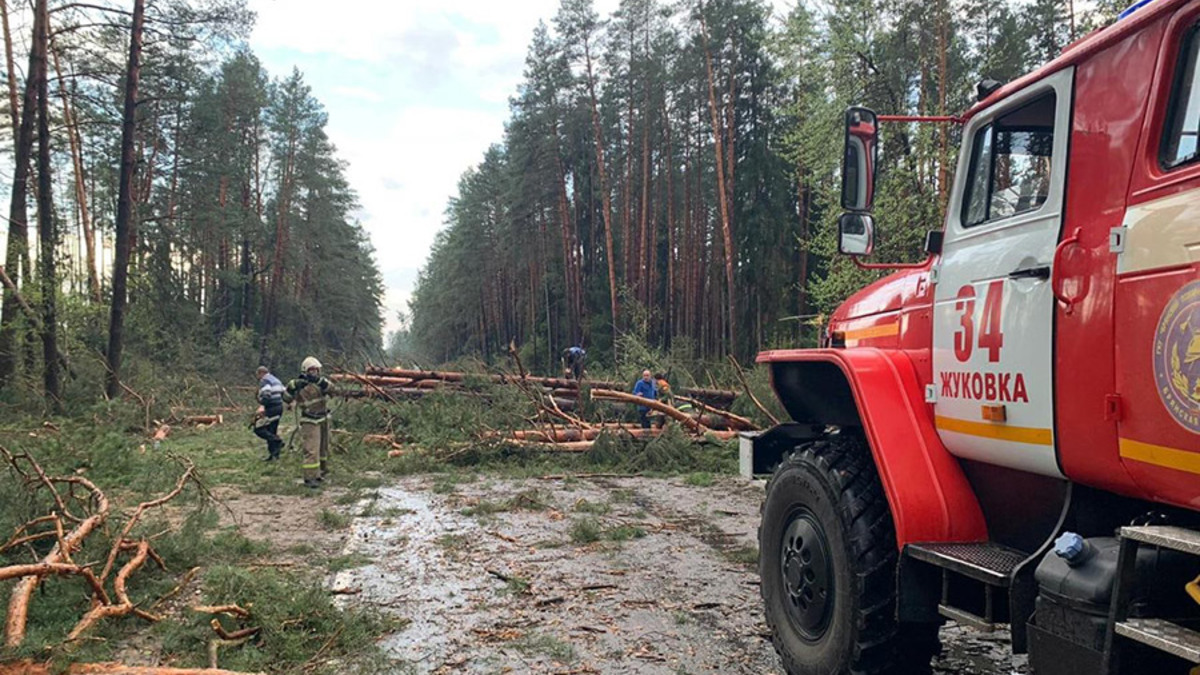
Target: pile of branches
[(556, 425), (80, 508)]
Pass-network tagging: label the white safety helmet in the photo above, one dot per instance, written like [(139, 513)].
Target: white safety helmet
[(310, 363)]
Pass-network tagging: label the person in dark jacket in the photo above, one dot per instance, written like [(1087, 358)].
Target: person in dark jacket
[(573, 359), (646, 389), (270, 411)]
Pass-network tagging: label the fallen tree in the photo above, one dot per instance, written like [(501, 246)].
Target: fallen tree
[(414, 377), (58, 561), (31, 668)]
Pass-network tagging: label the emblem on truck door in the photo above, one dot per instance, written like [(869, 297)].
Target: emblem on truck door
[(1177, 356)]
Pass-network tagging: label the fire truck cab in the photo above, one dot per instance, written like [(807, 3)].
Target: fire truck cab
[(1008, 434)]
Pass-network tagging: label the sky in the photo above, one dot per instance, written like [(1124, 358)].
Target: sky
[(415, 91)]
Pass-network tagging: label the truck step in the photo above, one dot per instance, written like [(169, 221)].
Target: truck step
[(966, 618), (987, 562), (1162, 634), (1166, 536)]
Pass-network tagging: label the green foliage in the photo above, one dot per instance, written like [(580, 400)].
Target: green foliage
[(333, 520), (536, 644), (290, 612), (586, 530)]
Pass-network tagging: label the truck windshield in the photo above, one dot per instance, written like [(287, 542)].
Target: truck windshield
[(1011, 159)]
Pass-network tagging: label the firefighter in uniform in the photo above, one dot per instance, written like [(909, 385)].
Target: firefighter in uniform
[(310, 392)]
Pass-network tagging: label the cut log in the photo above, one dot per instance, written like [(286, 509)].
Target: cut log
[(683, 418), (203, 419), (31, 668)]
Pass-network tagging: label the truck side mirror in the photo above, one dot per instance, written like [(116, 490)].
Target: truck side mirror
[(859, 159), (856, 234)]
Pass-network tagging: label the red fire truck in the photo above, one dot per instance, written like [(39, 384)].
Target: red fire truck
[(1008, 434)]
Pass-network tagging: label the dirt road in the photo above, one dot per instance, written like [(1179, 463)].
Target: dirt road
[(599, 575)]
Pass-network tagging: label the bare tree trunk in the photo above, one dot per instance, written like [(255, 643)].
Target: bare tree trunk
[(126, 230), (668, 170), (281, 232), (722, 195), (943, 128), (81, 197), (17, 255), (15, 110), (47, 234), (606, 198), (645, 257)]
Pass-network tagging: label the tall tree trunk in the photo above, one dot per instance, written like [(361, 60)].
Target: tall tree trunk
[(943, 128), (281, 237), (668, 171), (15, 110), (569, 243), (645, 257), (722, 195), (81, 197), (125, 228), (17, 254), (605, 196), (47, 236)]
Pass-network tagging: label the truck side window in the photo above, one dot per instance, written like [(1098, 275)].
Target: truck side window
[(1183, 118), (1011, 159)]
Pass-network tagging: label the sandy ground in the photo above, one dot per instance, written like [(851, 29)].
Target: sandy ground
[(493, 582)]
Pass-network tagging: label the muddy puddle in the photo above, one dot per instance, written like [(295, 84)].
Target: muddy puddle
[(601, 575)]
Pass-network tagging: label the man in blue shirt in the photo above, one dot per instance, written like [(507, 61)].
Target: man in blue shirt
[(646, 389), (573, 359), (270, 410)]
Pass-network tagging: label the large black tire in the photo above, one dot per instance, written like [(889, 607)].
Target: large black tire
[(828, 567)]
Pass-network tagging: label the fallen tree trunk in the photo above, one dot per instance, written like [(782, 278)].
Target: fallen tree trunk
[(683, 418), (30, 668), (734, 421), (571, 434), (203, 419), (547, 382)]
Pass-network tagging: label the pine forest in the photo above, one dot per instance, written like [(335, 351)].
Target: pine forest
[(669, 173)]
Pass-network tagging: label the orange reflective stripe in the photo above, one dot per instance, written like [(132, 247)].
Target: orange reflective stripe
[(1000, 432), (1159, 455)]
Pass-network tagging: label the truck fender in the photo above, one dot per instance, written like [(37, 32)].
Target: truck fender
[(879, 391)]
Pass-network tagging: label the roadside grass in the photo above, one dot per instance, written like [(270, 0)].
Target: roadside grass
[(299, 624), (540, 644), (108, 446), (347, 562), (525, 500), (333, 520), (588, 530), (742, 555)]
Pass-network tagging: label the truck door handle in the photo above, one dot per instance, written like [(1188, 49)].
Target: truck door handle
[(1056, 282), (1038, 272)]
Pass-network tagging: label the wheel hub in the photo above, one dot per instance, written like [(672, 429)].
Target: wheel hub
[(807, 575)]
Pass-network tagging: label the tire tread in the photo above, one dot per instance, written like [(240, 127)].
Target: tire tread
[(882, 647)]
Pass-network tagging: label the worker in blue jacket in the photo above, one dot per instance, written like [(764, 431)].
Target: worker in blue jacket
[(270, 411), (646, 389)]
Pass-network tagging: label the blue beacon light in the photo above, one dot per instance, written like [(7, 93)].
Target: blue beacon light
[(1133, 8)]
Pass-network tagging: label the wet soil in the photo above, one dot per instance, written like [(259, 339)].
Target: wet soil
[(594, 575)]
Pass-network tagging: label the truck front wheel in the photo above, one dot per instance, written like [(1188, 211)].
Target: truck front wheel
[(828, 567)]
